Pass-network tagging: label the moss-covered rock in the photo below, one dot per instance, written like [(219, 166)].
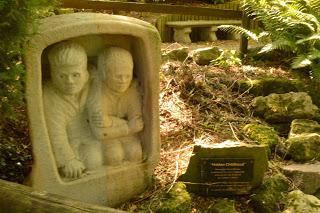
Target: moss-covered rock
[(304, 147), (278, 108), (263, 135), (300, 126), (268, 197), (268, 86), (204, 56), (223, 206), (178, 54), (177, 200), (299, 202)]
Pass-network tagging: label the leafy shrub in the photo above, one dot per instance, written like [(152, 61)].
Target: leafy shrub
[(289, 25), (16, 17)]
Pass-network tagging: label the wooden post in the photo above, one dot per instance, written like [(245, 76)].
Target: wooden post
[(244, 39), (19, 198)]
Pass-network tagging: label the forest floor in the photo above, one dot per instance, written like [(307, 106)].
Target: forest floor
[(201, 104)]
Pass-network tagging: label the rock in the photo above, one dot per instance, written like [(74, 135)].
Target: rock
[(177, 200), (178, 54), (267, 86), (227, 168), (263, 135), (305, 176), (223, 206), (298, 202), (300, 126), (304, 147), (268, 197), (204, 56), (277, 108)]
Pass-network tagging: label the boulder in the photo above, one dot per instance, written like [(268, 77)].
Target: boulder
[(263, 135), (305, 176), (175, 54), (298, 202), (304, 147), (268, 197), (267, 86), (177, 200), (277, 108), (204, 56), (223, 206), (300, 126)]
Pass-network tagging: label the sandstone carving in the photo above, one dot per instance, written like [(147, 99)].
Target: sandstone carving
[(92, 96)]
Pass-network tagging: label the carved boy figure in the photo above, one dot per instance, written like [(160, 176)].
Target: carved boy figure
[(115, 108), (64, 97)]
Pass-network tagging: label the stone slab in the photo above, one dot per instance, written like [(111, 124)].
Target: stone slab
[(305, 176), (229, 168)]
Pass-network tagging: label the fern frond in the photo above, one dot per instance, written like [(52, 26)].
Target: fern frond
[(239, 30), (301, 61), (310, 38), (279, 44)]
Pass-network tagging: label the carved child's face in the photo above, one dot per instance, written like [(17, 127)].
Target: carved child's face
[(69, 79), (119, 75)]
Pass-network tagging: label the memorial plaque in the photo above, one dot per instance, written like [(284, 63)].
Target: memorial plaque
[(228, 168)]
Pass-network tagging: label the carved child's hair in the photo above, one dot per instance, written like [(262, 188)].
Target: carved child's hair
[(113, 55), (67, 53)]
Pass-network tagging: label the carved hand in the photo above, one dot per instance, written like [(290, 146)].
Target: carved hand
[(135, 125), (73, 169), (98, 120)]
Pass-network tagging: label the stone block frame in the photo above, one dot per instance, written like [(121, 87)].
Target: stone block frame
[(93, 30)]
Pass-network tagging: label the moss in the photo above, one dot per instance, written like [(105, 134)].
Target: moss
[(299, 126), (263, 135), (177, 200), (268, 197), (304, 147), (267, 86), (223, 206)]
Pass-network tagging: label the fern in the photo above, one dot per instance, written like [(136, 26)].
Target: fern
[(293, 26), (239, 30)]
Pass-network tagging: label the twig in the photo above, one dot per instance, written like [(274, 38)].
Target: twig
[(176, 172), (234, 134)]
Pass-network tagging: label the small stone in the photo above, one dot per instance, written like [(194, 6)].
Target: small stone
[(223, 206), (300, 126), (305, 176), (263, 135), (204, 56), (298, 202), (177, 200)]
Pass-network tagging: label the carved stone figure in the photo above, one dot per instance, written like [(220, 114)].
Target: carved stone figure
[(64, 98), (95, 135), (115, 112)]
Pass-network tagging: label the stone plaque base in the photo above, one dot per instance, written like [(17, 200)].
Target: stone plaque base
[(229, 168)]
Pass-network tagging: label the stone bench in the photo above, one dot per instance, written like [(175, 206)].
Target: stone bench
[(182, 29)]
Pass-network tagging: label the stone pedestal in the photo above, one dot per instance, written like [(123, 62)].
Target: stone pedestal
[(209, 33), (182, 35), (107, 185)]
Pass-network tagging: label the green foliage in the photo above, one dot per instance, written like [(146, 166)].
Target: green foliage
[(290, 25), (16, 19), (226, 59)]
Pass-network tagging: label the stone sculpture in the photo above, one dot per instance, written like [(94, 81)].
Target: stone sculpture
[(102, 153), (64, 99), (115, 110)]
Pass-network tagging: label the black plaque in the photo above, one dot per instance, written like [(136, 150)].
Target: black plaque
[(224, 176), (226, 169)]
